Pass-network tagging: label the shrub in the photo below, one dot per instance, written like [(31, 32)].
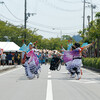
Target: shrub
[(92, 62)]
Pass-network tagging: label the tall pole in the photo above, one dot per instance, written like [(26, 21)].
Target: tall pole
[(92, 9), (83, 17), (25, 19), (88, 17), (91, 12), (25, 14), (61, 33)]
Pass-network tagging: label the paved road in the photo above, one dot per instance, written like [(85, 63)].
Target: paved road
[(50, 86)]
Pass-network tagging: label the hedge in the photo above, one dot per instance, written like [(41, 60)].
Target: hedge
[(92, 62)]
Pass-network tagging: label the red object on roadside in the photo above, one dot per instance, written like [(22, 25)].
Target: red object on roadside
[(81, 72)]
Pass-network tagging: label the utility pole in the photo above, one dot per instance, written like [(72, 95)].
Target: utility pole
[(26, 16), (91, 12), (25, 19), (92, 8), (88, 17), (83, 17)]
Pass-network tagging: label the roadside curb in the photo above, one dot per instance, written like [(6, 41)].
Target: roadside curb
[(6, 68), (91, 68)]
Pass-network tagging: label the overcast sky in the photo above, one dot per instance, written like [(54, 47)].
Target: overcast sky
[(52, 18)]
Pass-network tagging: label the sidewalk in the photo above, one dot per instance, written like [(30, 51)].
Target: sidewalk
[(6, 67)]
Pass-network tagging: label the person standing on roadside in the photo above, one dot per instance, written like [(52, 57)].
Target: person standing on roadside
[(3, 59), (9, 57), (19, 60), (0, 59), (16, 58), (46, 58)]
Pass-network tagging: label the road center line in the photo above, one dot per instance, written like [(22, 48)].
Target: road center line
[(49, 72), (49, 95), (49, 76)]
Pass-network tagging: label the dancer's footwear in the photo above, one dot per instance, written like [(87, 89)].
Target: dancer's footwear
[(37, 75), (73, 76), (78, 77)]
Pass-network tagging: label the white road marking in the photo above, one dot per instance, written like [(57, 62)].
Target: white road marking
[(49, 76), (49, 95), (49, 72), (10, 71)]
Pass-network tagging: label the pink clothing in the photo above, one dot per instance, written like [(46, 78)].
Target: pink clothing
[(32, 56)]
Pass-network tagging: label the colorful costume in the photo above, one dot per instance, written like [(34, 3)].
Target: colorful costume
[(31, 65), (73, 61)]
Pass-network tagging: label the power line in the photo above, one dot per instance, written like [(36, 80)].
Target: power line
[(9, 18), (11, 12), (37, 28), (41, 25), (37, 24), (51, 31), (70, 33), (51, 27), (61, 9), (71, 2)]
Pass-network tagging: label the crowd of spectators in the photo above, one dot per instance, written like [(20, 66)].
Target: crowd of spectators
[(10, 58)]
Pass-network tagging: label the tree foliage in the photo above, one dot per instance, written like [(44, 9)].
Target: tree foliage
[(9, 32), (92, 32)]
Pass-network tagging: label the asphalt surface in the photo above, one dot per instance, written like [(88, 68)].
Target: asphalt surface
[(14, 85)]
